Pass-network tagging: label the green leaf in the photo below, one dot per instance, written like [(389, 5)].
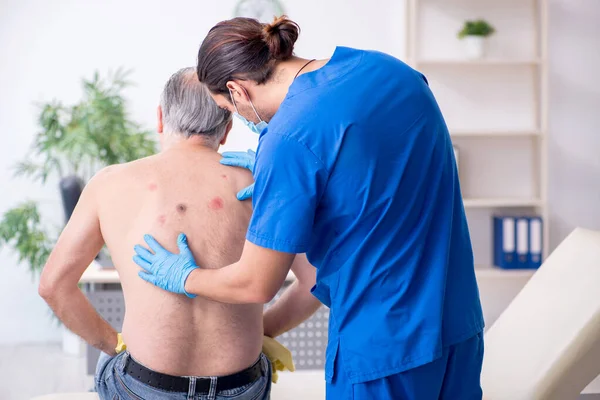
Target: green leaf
[(21, 230), (478, 27), (26, 169)]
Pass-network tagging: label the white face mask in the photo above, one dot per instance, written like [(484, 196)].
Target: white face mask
[(256, 128)]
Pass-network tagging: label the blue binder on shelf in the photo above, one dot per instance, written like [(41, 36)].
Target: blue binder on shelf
[(522, 243), (505, 232), (535, 242)]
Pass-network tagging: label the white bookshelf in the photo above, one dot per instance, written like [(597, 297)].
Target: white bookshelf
[(502, 202), (496, 108), (470, 63), (493, 133), (487, 271)]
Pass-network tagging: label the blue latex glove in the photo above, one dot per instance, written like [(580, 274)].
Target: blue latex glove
[(242, 159), (164, 269)]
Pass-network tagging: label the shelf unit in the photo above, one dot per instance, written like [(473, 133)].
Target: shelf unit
[(483, 272), (511, 62), (502, 202), (482, 62), (493, 133)]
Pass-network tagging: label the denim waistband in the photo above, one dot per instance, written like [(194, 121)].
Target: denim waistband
[(122, 364)]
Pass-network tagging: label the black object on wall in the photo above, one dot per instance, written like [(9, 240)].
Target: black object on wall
[(70, 190)]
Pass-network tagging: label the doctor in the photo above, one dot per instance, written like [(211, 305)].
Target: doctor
[(354, 167)]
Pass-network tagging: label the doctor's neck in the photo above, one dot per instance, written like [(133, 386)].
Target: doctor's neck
[(286, 72)]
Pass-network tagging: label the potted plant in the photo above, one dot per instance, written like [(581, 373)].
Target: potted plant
[(72, 144), (474, 34)]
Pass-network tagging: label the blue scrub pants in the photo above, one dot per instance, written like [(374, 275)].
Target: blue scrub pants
[(453, 376)]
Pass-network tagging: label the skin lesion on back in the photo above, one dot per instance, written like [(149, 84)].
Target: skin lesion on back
[(216, 203)]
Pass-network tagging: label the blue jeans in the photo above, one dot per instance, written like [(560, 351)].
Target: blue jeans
[(112, 383)]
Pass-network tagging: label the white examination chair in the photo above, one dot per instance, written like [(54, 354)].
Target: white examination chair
[(546, 344)]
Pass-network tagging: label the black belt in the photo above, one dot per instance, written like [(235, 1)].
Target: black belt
[(181, 384)]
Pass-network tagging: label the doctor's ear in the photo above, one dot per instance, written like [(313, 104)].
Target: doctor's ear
[(238, 92)]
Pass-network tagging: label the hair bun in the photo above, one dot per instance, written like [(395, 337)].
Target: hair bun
[(281, 35)]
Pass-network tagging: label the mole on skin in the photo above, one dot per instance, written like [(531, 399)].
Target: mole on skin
[(181, 208), (224, 176), (216, 203)]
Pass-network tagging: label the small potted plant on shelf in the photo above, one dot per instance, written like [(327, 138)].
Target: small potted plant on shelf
[(473, 35)]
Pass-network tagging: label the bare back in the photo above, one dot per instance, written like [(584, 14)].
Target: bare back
[(181, 190)]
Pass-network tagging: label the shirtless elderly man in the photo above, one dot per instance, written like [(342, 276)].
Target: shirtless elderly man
[(177, 347)]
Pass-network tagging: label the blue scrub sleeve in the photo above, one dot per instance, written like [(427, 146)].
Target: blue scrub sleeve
[(289, 182)]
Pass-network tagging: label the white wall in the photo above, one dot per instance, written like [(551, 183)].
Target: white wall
[(574, 121), (47, 47)]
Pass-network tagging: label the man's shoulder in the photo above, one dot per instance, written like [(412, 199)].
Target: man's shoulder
[(116, 174)]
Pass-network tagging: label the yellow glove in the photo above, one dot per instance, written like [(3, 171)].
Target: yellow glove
[(279, 355), (120, 344)]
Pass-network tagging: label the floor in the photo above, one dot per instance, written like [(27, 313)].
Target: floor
[(32, 370)]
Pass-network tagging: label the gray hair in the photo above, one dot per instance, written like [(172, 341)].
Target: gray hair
[(189, 110)]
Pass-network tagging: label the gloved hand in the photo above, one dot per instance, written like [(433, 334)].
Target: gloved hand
[(164, 269), (279, 355), (243, 160)]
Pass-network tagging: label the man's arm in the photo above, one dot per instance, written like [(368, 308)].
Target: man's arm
[(296, 304), (79, 243)]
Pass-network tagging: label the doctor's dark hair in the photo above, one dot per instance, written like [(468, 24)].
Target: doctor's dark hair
[(243, 48)]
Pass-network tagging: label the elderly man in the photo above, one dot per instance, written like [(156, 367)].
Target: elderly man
[(177, 347)]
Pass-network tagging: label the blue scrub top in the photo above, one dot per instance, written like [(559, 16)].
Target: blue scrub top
[(357, 169)]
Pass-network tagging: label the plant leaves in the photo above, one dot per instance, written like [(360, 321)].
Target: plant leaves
[(21, 229), (95, 132), (78, 139)]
